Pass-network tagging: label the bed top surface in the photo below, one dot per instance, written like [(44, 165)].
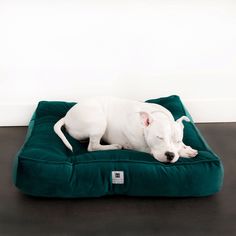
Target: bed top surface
[(43, 145)]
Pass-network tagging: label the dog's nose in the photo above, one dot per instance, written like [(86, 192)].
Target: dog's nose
[(170, 156)]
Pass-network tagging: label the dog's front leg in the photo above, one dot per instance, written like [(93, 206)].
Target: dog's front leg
[(187, 151)]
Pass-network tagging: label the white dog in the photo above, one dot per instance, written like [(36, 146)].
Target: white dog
[(128, 124)]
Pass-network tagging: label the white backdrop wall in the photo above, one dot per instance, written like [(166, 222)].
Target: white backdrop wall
[(65, 50)]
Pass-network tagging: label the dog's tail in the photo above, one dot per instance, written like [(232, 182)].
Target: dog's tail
[(57, 129)]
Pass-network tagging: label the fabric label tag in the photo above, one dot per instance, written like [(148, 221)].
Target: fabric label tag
[(117, 177)]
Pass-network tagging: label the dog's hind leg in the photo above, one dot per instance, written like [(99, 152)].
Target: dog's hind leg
[(94, 144), (92, 125)]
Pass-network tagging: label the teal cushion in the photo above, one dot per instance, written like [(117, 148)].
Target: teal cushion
[(45, 167)]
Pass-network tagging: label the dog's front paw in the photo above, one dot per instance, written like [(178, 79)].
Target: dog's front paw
[(188, 152)]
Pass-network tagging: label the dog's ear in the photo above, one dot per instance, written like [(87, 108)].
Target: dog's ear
[(180, 120), (146, 119)]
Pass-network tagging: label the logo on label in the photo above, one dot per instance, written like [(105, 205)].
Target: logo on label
[(117, 177)]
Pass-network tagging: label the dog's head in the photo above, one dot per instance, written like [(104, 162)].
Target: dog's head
[(163, 135)]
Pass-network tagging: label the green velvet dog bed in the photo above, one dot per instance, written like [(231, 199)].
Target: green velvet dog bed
[(45, 167)]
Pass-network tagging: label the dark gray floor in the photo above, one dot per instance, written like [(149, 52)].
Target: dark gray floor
[(216, 215)]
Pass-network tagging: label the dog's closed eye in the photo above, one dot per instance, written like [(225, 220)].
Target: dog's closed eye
[(161, 138)]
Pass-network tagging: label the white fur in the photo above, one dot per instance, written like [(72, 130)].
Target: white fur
[(126, 123)]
